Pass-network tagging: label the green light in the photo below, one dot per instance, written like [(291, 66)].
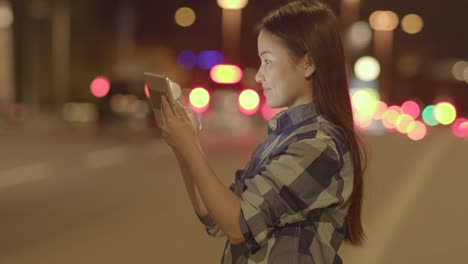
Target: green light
[(428, 116)]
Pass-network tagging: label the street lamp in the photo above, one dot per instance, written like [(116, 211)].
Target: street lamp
[(232, 4), (383, 23), (412, 23)]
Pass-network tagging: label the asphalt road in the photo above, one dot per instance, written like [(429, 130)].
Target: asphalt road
[(72, 195)]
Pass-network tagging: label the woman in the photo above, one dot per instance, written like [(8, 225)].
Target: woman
[(300, 196)]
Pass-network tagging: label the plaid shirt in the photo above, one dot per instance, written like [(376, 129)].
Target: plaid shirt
[(294, 193)]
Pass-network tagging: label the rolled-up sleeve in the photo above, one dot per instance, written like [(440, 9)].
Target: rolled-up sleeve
[(293, 182), (210, 226)]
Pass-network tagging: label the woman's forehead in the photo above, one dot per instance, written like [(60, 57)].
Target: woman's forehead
[(269, 44)]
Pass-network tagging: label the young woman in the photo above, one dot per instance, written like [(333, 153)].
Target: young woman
[(300, 196)]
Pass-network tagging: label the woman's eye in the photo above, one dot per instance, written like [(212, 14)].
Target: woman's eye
[(267, 61)]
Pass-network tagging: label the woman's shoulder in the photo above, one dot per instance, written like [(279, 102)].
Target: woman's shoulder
[(322, 130), (333, 133)]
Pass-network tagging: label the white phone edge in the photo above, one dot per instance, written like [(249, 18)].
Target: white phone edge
[(171, 98)]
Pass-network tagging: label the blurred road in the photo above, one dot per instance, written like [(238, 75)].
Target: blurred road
[(72, 195)]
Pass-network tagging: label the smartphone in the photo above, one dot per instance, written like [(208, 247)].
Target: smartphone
[(159, 85)]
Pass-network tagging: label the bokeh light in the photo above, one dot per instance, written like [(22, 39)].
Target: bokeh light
[(428, 116), (232, 4), (207, 59), (412, 24), (227, 74), (465, 74), (389, 118), (364, 102), (365, 99), (361, 120), (396, 108), (147, 94), (187, 59), (185, 16), (380, 108), (460, 128), (6, 15), (459, 69), (100, 86), (383, 20), (416, 130), (412, 108), (359, 35), (199, 99), (403, 122), (249, 101), (445, 113), (367, 68)]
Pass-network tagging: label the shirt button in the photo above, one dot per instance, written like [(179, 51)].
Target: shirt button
[(272, 124)]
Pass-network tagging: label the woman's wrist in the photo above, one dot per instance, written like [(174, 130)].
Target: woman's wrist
[(189, 150)]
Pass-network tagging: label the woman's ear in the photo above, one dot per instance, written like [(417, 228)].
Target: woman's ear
[(309, 66)]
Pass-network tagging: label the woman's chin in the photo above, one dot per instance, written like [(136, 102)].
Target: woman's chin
[(269, 104), (272, 104)]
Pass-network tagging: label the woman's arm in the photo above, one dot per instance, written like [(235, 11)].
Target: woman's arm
[(221, 203), (192, 189)]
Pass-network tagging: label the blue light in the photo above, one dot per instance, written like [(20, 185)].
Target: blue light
[(357, 83), (207, 59), (187, 59)]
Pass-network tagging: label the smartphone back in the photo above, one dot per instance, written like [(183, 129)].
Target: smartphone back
[(158, 85)]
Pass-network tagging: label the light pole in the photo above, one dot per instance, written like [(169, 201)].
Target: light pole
[(349, 12), (231, 28), (6, 52), (383, 23), (61, 51)]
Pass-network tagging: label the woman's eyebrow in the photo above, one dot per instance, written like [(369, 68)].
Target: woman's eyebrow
[(264, 52)]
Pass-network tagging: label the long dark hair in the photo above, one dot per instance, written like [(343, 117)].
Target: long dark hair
[(310, 27)]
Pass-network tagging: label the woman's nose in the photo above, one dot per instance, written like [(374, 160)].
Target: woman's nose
[(259, 77)]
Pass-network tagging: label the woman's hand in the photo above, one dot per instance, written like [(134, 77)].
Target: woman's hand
[(177, 129)]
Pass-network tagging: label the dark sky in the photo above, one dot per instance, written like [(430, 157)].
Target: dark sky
[(446, 23), (445, 31)]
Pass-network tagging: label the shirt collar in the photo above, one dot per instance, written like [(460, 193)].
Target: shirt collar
[(292, 116)]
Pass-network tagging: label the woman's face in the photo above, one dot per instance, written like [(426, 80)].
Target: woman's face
[(283, 79)]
